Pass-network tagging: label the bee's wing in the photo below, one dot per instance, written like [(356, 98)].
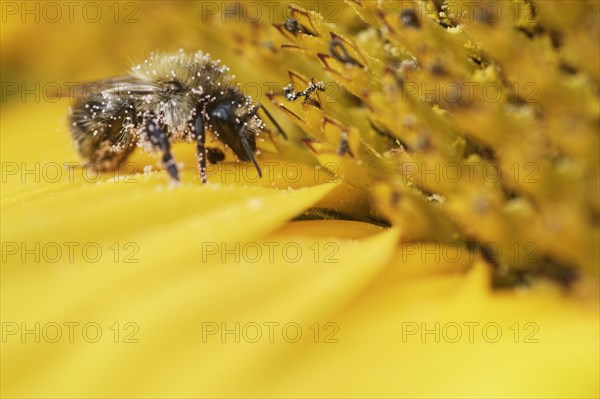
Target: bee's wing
[(115, 85)]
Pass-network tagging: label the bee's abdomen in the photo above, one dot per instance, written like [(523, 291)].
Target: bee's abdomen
[(102, 129)]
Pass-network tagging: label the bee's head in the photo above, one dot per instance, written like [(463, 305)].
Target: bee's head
[(232, 130)]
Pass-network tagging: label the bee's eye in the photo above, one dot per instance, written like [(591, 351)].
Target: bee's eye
[(221, 113)]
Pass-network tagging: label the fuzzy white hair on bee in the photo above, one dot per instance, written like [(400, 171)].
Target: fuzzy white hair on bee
[(165, 99)]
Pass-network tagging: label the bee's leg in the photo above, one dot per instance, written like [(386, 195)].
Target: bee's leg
[(159, 139), (200, 136), (260, 106)]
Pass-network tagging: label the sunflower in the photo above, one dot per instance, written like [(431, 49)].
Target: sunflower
[(429, 228)]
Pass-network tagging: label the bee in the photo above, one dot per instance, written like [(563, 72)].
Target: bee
[(163, 100)]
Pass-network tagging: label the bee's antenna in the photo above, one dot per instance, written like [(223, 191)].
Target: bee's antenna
[(248, 151), (260, 106)]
